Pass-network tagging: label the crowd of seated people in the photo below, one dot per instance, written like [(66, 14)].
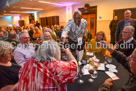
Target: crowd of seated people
[(45, 71), (22, 40), (33, 58)]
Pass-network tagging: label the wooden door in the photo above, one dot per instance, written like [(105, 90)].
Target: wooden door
[(91, 23), (21, 23)]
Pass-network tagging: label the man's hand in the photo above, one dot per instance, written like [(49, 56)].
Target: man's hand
[(65, 40), (108, 82), (107, 46)]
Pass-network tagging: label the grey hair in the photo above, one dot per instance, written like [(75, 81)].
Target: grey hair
[(12, 35), (20, 34), (48, 51), (131, 28), (77, 12), (127, 11), (48, 30), (42, 37)]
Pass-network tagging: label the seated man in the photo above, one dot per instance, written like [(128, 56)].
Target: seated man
[(128, 43), (12, 38), (128, 63), (24, 49)]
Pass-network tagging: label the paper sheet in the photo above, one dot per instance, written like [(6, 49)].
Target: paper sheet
[(101, 66), (112, 75)]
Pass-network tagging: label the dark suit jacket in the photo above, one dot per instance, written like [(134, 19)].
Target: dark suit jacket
[(127, 48), (120, 27)]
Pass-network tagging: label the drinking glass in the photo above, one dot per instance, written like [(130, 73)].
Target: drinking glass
[(91, 71), (80, 76), (94, 75), (80, 80), (109, 60), (106, 56)]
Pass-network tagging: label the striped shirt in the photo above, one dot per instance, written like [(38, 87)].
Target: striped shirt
[(36, 76)]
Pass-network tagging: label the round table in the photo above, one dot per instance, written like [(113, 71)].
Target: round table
[(123, 74)]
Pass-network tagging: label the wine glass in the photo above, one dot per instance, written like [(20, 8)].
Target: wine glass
[(80, 76), (109, 60), (106, 56), (91, 71), (94, 75)]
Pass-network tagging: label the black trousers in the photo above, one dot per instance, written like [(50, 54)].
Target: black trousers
[(73, 45)]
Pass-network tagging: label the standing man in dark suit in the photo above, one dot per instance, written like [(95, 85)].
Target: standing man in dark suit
[(126, 22)]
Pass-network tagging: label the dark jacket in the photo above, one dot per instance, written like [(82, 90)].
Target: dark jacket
[(126, 48), (113, 28), (31, 32), (120, 27), (122, 59)]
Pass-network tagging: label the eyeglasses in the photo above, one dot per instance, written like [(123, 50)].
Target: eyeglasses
[(126, 32), (26, 37)]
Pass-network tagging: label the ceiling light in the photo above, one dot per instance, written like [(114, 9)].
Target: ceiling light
[(23, 11), (4, 11), (50, 3), (31, 8), (11, 14), (15, 11)]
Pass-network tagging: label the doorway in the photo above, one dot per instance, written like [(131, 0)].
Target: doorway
[(90, 15), (91, 23)]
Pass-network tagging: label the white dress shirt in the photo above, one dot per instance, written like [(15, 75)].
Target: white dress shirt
[(23, 52)]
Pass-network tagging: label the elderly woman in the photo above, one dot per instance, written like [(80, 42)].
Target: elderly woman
[(8, 71), (46, 36), (46, 72), (95, 46), (53, 34)]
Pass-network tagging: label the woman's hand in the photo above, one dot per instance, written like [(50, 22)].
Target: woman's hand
[(67, 51), (104, 44), (68, 54)]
